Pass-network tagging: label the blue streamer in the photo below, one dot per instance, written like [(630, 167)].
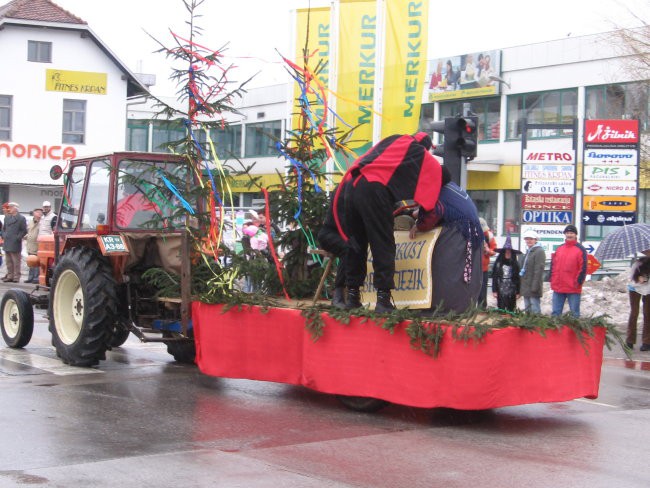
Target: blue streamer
[(176, 193)]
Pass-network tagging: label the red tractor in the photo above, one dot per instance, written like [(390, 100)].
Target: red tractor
[(119, 217)]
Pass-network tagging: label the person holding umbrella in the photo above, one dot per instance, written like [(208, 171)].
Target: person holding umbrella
[(638, 290), (568, 272)]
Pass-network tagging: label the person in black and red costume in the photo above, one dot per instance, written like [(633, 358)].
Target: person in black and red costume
[(397, 168)]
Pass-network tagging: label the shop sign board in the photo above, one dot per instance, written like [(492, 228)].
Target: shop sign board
[(609, 218), (547, 217), (611, 156), (547, 202), (610, 173), (625, 188), (609, 204)]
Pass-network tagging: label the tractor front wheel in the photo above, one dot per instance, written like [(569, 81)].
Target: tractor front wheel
[(17, 317), (83, 307)]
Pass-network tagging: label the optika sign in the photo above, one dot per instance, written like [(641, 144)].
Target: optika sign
[(35, 151), (612, 131)]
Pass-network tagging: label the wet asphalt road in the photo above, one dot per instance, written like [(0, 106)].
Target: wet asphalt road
[(141, 420)]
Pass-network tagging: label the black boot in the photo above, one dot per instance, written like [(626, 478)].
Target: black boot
[(338, 298), (354, 298), (384, 302)]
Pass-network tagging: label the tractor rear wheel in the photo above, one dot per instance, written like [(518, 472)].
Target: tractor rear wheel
[(118, 335), (362, 404), (183, 351), (17, 317), (83, 307)]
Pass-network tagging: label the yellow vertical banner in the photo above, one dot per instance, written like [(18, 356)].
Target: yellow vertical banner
[(405, 65), (312, 34), (357, 68)]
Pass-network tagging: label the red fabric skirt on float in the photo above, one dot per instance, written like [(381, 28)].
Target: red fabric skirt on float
[(509, 366)]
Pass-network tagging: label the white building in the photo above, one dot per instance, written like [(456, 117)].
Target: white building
[(63, 94)]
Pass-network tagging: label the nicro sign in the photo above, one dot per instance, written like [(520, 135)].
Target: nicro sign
[(611, 172)]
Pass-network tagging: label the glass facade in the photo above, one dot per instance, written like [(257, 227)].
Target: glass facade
[(552, 107)]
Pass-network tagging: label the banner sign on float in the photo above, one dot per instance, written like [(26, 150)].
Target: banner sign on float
[(610, 173), (609, 218), (547, 202)]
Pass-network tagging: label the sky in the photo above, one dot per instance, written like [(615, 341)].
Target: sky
[(258, 31)]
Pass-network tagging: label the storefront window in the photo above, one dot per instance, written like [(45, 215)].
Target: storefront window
[(261, 138), (137, 135), (486, 204), (488, 111), (554, 107), (227, 142), (511, 211), (619, 101)]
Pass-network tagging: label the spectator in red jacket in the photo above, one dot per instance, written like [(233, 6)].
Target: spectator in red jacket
[(568, 272)]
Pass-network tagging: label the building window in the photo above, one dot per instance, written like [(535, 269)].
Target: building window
[(261, 138), (74, 121), (511, 211), (487, 205), (488, 111), (166, 134), (39, 52), (5, 117), (553, 107), (619, 101), (227, 142), (137, 135)]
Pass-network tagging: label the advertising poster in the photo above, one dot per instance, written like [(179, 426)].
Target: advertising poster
[(469, 75)]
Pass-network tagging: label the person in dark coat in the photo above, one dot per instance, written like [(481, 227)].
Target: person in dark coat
[(456, 264), (505, 277), (532, 273), (397, 168), (13, 231)]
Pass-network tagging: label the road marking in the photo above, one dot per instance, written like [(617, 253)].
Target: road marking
[(50, 365), (586, 400)]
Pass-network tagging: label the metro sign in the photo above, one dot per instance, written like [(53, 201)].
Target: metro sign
[(625, 131)]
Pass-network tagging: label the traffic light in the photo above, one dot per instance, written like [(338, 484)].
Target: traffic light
[(467, 140), (459, 142)]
